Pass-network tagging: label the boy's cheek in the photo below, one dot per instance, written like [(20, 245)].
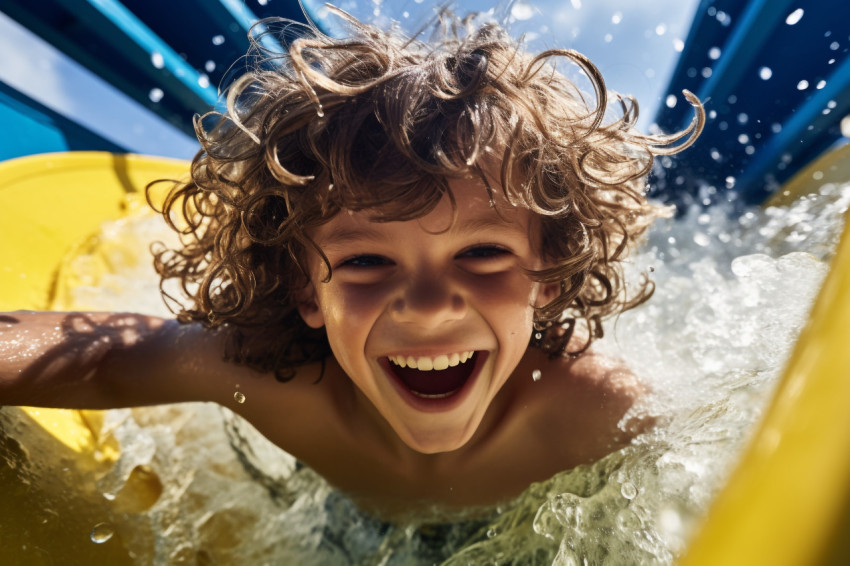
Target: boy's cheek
[(342, 305)]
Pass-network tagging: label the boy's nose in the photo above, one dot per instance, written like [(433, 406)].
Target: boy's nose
[(429, 302)]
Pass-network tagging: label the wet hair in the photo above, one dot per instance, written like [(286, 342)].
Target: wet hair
[(381, 123)]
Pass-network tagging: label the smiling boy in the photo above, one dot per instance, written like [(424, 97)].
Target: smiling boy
[(419, 239)]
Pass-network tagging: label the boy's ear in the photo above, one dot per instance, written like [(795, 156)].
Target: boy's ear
[(547, 293), (308, 307)]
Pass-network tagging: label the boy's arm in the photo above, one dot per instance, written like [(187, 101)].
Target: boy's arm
[(107, 360)]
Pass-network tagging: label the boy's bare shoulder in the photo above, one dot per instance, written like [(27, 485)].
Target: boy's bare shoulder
[(590, 376), (587, 400)]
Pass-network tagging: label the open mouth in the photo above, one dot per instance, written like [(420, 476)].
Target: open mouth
[(434, 378)]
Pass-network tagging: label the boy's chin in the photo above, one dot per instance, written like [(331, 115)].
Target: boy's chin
[(436, 442)]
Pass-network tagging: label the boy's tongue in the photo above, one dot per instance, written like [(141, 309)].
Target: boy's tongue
[(435, 382)]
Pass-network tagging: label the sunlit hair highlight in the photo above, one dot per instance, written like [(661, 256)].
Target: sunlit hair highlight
[(381, 123)]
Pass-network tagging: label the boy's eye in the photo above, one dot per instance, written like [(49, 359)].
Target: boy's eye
[(484, 252), (365, 261)]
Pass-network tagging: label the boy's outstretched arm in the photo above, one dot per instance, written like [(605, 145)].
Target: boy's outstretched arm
[(108, 360)]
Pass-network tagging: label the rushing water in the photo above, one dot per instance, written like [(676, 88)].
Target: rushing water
[(732, 294)]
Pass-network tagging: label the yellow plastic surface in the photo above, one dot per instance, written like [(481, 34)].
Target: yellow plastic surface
[(832, 167), (48, 204), (52, 201)]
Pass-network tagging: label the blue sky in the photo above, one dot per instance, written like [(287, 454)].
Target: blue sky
[(635, 45)]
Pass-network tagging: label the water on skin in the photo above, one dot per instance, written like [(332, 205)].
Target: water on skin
[(732, 295)]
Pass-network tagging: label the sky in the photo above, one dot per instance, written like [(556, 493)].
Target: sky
[(634, 44)]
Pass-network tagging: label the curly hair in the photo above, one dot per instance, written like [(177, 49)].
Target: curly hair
[(381, 123)]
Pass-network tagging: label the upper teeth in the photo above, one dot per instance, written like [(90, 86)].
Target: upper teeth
[(425, 363)]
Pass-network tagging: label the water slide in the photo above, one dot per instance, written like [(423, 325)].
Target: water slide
[(788, 501)]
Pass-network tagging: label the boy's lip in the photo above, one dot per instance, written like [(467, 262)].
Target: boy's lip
[(436, 404)]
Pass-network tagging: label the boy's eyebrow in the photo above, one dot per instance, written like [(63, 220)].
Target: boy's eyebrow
[(342, 235), (488, 222)]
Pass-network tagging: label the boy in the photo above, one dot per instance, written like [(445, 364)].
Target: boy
[(420, 239)]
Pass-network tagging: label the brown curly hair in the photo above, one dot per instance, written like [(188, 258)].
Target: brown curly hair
[(381, 123)]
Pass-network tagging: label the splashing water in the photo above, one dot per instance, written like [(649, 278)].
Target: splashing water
[(710, 345), (101, 533)]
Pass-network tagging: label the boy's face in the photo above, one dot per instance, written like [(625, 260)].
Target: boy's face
[(430, 292)]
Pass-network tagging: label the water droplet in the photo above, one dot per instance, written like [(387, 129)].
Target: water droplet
[(209, 66), (714, 53), (820, 84), (660, 29), (522, 11), (701, 239), (536, 375), (845, 126), (803, 85), (628, 521), (617, 18), (678, 45), (331, 187), (743, 139), (628, 490), (491, 533), (203, 81), (239, 397), (765, 73), (101, 533), (218, 39), (538, 335), (794, 17), (157, 60), (156, 94), (671, 101), (320, 111)]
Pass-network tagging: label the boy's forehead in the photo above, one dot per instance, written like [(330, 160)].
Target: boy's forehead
[(474, 210)]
